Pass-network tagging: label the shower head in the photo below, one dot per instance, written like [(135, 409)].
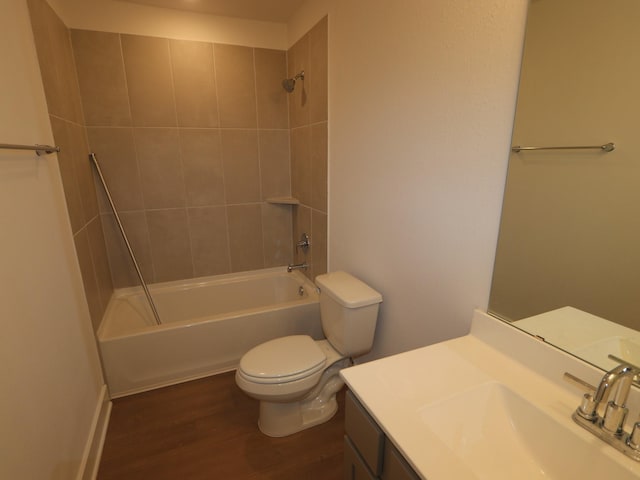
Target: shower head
[(290, 83)]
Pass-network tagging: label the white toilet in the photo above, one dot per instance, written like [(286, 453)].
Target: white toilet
[(296, 378)]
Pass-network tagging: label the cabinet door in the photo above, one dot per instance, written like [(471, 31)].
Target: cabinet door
[(395, 466), (364, 432), (354, 466)]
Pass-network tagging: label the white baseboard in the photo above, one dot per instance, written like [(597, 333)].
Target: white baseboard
[(95, 442)]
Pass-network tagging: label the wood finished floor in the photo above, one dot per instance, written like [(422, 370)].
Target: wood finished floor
[(207, 429)]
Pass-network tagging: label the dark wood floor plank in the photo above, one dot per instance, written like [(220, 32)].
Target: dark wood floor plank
[(207, 429)]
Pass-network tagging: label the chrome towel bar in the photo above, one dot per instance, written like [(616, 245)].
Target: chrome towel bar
[(39, 149), (607, 147)]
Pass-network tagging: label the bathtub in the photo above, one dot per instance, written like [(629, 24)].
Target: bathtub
[(208, 323)]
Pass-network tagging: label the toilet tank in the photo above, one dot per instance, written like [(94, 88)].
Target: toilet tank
[(349, 311)]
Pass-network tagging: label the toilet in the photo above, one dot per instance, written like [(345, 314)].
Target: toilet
[(296, 378)]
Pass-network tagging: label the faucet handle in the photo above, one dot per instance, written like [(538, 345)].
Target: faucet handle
[(634, 439), (614, 417), (304, 242), (588, 408)]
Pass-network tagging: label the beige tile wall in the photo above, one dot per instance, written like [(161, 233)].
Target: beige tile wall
[(57, 67), (193, 138), (308, 118)]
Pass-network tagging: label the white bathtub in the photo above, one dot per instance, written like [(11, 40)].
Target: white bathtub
[(207, 325)]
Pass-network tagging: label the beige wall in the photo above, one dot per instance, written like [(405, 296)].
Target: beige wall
[(309, 131), (124, 17), (304, 18), (192, 137), (57, 66), (421, 102), (51, 378), (570, 231)]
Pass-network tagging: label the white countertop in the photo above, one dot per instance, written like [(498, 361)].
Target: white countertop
[(397, 390)]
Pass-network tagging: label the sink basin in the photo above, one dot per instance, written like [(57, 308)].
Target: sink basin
[(499, 435), (621, 347)]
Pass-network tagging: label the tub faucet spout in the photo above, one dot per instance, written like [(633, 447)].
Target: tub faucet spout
[(298, 266)]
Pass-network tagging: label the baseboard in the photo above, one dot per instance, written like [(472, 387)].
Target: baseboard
[(175, 381), (95, 442)]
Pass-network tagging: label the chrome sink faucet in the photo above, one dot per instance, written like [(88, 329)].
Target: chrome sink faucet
[(610, 426), (615, 410)]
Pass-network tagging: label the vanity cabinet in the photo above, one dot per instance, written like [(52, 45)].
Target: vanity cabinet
[(368, 453)]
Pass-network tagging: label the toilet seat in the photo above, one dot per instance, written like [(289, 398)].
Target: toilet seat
[(283, 360)]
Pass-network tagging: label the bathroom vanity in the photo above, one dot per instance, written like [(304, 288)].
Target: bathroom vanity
[(368, 453), (488, 405)]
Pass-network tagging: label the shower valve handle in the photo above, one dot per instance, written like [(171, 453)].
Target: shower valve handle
[(304, 242)]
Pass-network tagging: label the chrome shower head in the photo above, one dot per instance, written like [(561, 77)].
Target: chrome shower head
[(290, 83)]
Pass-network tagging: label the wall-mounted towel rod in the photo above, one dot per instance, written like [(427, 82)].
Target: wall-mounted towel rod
[(39, 149), (607, 147)]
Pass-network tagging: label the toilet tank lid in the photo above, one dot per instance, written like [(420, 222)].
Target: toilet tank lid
[(347, 290)]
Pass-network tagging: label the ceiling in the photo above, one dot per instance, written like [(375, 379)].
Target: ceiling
[(264, 10)]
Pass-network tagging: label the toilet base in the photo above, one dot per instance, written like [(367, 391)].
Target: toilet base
[(279, 419), (282, 419)]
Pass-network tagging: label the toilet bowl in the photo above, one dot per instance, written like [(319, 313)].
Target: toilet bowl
[(296, 378), (297, 389)]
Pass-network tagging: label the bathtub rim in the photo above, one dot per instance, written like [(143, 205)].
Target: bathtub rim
[(177, 285)]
